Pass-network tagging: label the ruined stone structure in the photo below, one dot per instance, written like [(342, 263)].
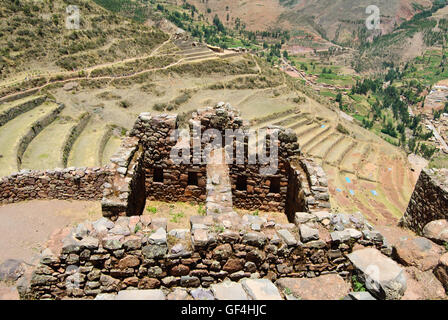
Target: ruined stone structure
[(132, 251), (429, 201), (144, 158)]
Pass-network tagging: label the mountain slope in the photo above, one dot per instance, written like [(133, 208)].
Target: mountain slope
[(34, 38), (334, 20)]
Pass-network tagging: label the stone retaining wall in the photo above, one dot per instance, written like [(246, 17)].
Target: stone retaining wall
[(61, 184), (75, 131), (125, 194), (138, 252), (429, 201), (13, 112), (35, 129)]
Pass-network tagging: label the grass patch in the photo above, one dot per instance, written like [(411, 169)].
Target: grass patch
[(152, 210)]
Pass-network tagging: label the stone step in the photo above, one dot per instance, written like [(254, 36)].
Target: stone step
[(246, 289)]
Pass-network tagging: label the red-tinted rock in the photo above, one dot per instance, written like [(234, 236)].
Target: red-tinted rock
[(180, 270)]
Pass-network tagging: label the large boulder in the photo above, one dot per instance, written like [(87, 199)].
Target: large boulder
[(383, 277), (326, 287), (437, 231), (419, 252), (11, 270)]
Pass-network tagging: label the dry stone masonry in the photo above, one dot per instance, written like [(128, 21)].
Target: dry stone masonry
[(429, 201), (298, 185), (140, 253), (223, 254), (62, 184)]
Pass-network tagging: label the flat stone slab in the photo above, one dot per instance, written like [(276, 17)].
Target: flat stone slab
[(105, 296), (202, 294), (229, 291), (303, 217), (308, 234), (383, 277), (326, 287), (178, 294), (158, 237), (288, 237), (359, 296), (261, 289), (151, 294)]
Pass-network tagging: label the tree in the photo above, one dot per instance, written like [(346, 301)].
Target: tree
[(339, 97)]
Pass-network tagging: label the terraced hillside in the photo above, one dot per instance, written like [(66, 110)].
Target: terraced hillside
[(88, 149), (15, 134), (364, 173)]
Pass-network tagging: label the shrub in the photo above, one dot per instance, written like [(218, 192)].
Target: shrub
[(342, 129), (124, 104)]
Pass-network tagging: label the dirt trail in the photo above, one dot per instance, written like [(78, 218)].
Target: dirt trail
[(26, 226)]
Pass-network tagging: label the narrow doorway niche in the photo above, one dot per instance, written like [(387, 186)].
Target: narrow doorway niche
[(192, 178), (275, 185), (241, 183), (158, 175)]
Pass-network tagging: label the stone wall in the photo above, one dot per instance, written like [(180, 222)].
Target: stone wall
[(62, 184), (35, 129), (20, 108), (429, 201), (316, 192), (125, 194), (139, 252), (170, 182), (75, 131)]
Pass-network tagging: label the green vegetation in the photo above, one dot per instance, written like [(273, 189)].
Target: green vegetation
[(439, 161), (357, 285), (201, 210), (387, 110), (385, 50), (152, 210), (175, 217)]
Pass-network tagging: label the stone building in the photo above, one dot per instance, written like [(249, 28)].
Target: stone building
[(297, 184)]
